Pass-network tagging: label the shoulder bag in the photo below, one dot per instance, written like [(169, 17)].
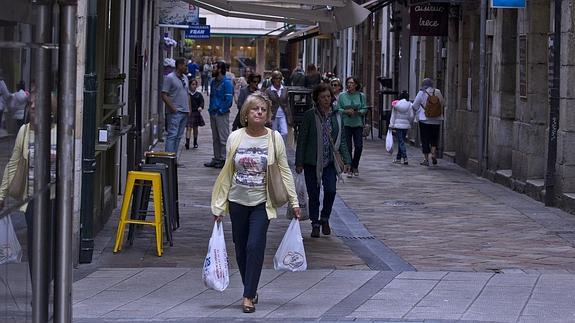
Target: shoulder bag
[(18, 183), (277, 191)]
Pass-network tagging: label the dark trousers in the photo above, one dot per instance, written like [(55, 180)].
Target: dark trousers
[(355, 134), (249, 230), (51, 243), (329, 188), (429, 134), (401, 149)]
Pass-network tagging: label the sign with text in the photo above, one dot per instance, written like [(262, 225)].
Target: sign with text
[(508, 3), (198, 32), (429, 20), (178, 13)]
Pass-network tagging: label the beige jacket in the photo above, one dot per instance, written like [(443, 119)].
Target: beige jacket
[(220, 192), (22, 139)]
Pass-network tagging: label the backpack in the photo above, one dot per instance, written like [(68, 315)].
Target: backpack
[(432, 106)]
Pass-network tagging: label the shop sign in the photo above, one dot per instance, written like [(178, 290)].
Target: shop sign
[(178, 14), (429, 20), (508, 3), (198, 32)]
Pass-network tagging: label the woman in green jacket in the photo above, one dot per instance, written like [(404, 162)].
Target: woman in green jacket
[(352, 106), (323, 157)]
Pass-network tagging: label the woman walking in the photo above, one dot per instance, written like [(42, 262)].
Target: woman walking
[(401, 118), (277, 93), (428, 126), (241, 190), (337, 90), (321, 149), (195, 120), (352, 106)]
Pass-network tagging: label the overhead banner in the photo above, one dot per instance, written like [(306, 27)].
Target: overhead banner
[(178, 14), (508, 3), (198, 32), (429, 20)]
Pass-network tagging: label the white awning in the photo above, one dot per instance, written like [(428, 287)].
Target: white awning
[(328, 15)]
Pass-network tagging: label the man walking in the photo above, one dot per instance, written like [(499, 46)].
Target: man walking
[(175, 96), (221, 98)]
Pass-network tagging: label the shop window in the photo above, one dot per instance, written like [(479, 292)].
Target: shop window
[(272, 54), (243, 56), (203, 50)]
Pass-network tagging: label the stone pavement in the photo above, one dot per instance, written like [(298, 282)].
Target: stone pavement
[(409, 244)]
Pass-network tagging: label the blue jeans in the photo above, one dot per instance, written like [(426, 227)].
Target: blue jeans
[(176, 126), (401, 150), (249, 230), (328, 180), (355, 134)]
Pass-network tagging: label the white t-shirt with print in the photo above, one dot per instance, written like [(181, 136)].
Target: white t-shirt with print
[(250, 164)]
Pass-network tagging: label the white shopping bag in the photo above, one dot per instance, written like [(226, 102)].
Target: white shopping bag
[(215, 274), (389, 142), (10, 249), (301, 192), (291, 254)]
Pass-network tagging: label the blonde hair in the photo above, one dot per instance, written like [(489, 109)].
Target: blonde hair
[(251, 101)]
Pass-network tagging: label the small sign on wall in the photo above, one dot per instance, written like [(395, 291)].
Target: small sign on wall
[(507, 3), (429, 20)]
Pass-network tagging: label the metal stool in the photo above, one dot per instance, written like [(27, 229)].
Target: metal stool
[(156, 180)]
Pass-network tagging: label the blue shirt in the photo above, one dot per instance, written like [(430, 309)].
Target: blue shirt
[(221, 96), (193, 69)]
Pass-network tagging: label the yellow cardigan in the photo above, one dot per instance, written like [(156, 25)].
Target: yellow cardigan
[(17, 153), (220, 204)]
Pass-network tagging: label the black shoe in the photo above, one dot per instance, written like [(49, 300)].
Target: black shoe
[(315, 232), (212, 163), (434, 160), (425, 162), (219, 165), (187, 146), (325, 229), (195, 146)]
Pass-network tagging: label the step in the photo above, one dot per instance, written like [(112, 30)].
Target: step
[(535, 188), (568, 201), (449, 156), (503, 177)]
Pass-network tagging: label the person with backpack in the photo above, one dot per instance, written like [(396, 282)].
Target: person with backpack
[(428, 108)]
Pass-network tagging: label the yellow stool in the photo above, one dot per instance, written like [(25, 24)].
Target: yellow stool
[(156, 180)]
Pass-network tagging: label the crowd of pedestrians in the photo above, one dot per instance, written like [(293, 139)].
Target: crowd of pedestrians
[(329, 144)]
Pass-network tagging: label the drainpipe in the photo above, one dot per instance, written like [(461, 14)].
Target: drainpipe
[(42, 211), (67, 61), (89, 138), (482, 85), (554, 110)]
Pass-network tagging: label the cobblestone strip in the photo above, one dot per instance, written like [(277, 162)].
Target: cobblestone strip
[(353, 233), (360, 296)]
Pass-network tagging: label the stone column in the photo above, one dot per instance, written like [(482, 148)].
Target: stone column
[(566, 136), (502, 89), (532, 113)]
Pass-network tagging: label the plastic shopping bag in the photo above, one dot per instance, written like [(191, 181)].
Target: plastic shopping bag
[(10, 249), (301, 192), (215, 274), (291, 254), (389, 142)]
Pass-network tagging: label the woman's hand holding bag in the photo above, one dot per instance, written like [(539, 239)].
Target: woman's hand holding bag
[(215, 274), (291, 254)]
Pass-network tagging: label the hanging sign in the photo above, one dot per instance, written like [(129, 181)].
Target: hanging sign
[(507, 3), (429, 20), (198, 32), (178, 14)]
